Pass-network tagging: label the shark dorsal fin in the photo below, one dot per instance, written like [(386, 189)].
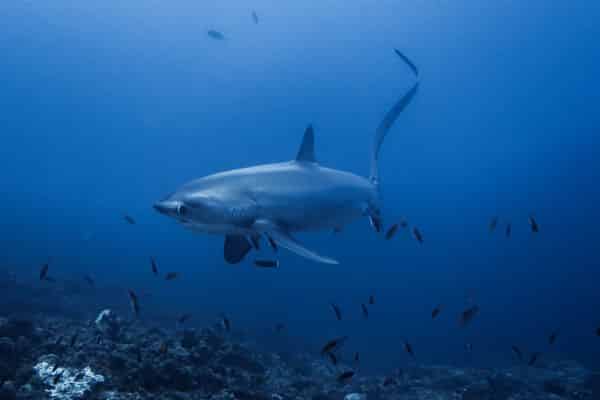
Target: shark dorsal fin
[(307, 148)]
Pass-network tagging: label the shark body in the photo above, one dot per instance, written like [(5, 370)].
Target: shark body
[(277, 200)]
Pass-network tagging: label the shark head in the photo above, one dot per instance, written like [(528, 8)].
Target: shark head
[(205, 210)]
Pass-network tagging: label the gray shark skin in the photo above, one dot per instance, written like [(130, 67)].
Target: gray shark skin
[(277, 200)]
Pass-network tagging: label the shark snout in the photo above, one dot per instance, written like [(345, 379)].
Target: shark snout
[(167, 207)]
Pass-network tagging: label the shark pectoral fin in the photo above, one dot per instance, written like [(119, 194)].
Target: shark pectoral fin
[(286, 241), (235, 249)]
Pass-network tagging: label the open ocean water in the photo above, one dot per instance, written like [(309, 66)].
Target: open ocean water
[(108, 107)]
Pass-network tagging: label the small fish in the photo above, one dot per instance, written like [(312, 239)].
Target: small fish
[(272, 243), (184, 318), (535, 228), (409, 349), (518, 352), (388, 381), (44, 272), (345, 376), (215, 35), (55, 367), (59, 340), (154, 266), (468, 348), (129, 220), (337, 311), (332, 358), (226, 323), (467, 316), (391, 232), (436, 311), (371, 300), (74, 339), (411, 65), (553, 337), (254, 17), (508, 230), (266, 263), (279, 327), (98, 339), (493, 224), (403, 223), (356, 357), (171, 276), (533, 359), (163, 349), (133, 299), (365, 311), (333, 345), (89, 280), (417, 235)]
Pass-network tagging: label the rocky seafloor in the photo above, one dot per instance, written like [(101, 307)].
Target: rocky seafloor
[(112, 358)]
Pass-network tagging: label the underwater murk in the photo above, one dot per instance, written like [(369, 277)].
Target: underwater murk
[(299, 200)]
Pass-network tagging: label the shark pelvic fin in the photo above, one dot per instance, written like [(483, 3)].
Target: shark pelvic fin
[(235, 249), (307, 148), (286, 241)]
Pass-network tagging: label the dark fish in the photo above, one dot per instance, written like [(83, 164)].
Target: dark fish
[(184, 318), (533, 359), (371, 299), (388, 381), (411, 65), (598, 332), (508, 230), (467, 316), (417, 234), (279, 327), (272, 243), (391, 232), (44, 272), (356, 357), (163, 349), (345, 376), (98, 339), (254, 17), (518, 352), (332, 358), (365, 311), (89, 280), (535, 228), (215, 35), (266, 263), (409, 349), (493, 224), (333, 345), (74, 339), (171, 276), (337, 311), (468, 347), (436, 311), (129, 220), (133, 299), (59, 340), (226, 323), (55, 367), (403, 223), (154, 266), (553, 337)]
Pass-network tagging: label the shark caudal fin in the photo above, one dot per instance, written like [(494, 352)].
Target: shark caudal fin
[(390, 118), (307, 148)]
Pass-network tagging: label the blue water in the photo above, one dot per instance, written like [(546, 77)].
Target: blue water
[(107, 107)]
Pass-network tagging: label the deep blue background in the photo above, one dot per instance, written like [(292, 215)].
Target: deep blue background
[(106, 107)]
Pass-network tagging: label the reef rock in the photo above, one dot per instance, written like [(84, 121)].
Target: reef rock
[(67, 383)]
